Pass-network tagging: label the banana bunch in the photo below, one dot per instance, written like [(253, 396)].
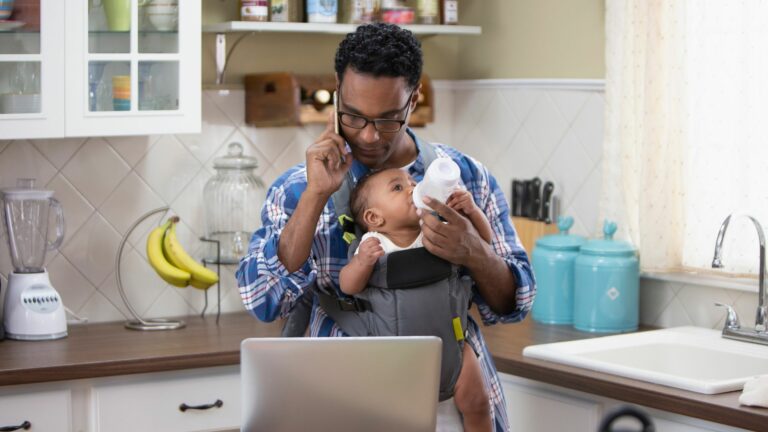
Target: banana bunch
[(172, 262)]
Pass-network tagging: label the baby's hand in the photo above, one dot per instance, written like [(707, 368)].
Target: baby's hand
[(370, 251), (461, 201)]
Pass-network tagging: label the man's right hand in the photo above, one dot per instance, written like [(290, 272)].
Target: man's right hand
[(327, 162)]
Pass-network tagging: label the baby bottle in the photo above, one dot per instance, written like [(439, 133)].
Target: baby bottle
[(440, 180)]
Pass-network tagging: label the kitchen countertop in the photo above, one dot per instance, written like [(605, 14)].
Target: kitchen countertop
[(97, 350)]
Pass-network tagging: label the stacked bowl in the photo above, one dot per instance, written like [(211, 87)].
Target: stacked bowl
[(121, 92), (163, 14), (6, 9)]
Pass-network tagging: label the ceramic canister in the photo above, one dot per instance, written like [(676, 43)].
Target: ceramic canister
[(607, 285), (553, 267)]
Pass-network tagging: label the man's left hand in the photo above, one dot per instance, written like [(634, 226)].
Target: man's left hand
[(454, 240)]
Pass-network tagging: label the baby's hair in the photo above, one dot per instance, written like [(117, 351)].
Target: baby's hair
[(358, 200)]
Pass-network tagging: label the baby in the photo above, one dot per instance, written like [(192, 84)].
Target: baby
[(382, 205)]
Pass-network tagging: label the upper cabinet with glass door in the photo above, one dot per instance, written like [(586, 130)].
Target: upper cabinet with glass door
[(136, 68), (132, 67), (31, 68)]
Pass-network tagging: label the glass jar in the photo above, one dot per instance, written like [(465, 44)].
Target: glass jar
[(232, 198)]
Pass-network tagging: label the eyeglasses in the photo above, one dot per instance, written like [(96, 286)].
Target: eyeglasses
[(355, 121)]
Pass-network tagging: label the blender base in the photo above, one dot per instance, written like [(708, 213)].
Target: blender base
[(33, 309)]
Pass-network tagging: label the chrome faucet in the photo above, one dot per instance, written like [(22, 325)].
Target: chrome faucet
[(732, 328)]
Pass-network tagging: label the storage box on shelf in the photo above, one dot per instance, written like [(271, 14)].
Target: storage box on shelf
[(286, 99)]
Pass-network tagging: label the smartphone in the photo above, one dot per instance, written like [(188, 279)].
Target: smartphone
[(335, 113)]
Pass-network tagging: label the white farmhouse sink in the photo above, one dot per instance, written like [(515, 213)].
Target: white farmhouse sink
[(689, 358)]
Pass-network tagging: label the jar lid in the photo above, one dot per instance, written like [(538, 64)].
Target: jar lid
[(25, 190), (562, 241), (235, 158), (607, 245)]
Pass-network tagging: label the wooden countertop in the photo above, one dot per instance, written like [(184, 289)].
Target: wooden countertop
[(98, 350)]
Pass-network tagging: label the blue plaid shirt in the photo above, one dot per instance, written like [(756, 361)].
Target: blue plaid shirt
[(268, 290)]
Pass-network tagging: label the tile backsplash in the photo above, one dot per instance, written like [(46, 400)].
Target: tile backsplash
[(517, 129)]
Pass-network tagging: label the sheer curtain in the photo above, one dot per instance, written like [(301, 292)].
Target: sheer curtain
[(686, 139)]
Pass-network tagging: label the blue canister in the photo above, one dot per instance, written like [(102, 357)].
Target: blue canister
[(553, 261), (607, 285)]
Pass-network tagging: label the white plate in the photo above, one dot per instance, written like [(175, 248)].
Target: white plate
[(8, 25)]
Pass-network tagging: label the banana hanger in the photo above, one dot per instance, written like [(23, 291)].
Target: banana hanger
[(139, 323)]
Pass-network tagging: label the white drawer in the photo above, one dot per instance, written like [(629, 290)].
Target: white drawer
[(46, 411), (151, 402)]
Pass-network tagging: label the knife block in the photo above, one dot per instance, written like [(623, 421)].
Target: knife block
[(529, 230), (286, 99)]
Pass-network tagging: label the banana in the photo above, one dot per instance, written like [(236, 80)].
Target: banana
[(171, 274), (201, 277)]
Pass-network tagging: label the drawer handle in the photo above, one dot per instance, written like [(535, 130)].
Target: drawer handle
[(26, 425), (183, 407)]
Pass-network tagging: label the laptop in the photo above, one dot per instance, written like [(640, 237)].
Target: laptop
[(340, 384)]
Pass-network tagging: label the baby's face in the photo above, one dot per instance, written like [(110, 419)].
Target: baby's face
[(391, 192)]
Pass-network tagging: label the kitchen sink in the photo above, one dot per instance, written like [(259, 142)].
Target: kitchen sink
[(690, 358)]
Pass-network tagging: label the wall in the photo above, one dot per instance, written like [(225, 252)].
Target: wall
[(533, 39)]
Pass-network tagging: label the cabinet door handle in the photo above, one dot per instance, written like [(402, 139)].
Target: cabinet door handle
[(26, 425), (183, 407)]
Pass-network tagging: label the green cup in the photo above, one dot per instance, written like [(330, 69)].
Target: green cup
[(118, 13)]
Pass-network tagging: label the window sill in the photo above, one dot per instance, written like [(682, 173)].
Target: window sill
[(711, 280)]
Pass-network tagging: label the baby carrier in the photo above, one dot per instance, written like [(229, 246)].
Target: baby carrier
[(410, 293)]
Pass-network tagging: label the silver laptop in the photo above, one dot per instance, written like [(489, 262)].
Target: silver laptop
[(340, 384)]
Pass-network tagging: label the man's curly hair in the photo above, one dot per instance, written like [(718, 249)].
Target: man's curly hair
[(381, 49)]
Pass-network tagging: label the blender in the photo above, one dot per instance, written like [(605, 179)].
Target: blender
[(33, 309)]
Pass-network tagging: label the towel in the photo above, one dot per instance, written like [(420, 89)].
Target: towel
[(755, 392)]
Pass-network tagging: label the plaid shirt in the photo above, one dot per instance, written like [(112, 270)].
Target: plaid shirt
[(268, 290)]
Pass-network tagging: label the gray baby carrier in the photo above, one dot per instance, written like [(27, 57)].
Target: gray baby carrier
[(410, 293)]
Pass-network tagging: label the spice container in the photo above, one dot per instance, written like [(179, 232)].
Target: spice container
[(285, 11), (322, 11), (254, 10), (429, 12), (450, 11), (233, 199)]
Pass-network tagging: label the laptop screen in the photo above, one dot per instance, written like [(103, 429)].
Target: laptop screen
[(340, 384)]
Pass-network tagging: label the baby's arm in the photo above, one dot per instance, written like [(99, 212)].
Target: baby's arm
[(354, 276), (461, 201)]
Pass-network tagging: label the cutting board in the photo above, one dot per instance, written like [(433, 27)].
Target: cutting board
[(530, 230)]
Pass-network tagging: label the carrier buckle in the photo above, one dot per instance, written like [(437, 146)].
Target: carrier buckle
[(353, 304)]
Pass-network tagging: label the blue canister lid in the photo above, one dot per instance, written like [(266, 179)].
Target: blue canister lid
[(607, 245), (562, 241)]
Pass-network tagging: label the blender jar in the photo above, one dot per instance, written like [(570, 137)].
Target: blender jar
[(26, 219), (233, 199)]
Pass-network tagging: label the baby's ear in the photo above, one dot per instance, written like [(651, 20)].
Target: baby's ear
[(373, 218)]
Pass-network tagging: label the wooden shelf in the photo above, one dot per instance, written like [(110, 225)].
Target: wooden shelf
[(300, 27)]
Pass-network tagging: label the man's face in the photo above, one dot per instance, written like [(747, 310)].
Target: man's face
[(374, 98), (392, 196)]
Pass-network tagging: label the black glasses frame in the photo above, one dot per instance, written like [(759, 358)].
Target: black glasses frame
[(377, 121)]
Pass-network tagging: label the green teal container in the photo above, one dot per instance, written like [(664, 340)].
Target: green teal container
[(553, 267), (606, 297)]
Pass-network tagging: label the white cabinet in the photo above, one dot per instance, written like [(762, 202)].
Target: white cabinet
[(132, 67), (530, 407), (45, 410), (211, 400), (535, 406)]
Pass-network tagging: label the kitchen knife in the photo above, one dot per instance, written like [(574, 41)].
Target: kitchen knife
[(534, 198), (518, 197), (546, 202)]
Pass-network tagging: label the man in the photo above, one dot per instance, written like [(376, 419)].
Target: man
[(300, 244)]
